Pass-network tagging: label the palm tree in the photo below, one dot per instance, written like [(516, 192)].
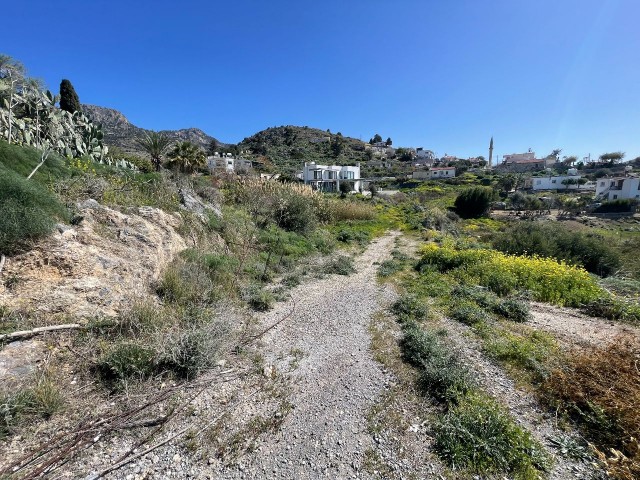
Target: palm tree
[(186, 156), (155, 144)]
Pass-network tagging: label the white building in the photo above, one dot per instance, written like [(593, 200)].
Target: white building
[(618, 188), (327, 178), (228, 163), (435, 173), (571, 181)]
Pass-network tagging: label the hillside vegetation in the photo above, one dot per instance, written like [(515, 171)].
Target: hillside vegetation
[(287, 147)]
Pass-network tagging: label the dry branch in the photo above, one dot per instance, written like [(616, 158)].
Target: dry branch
[(37, 331)]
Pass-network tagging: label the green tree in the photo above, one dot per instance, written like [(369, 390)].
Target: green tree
[(389, 142), (506, 183), (337, 145), (155, 145), (613, 157), (474, 202), (186, 157), (570, 160), (556, 154), (345, 188), (376, 139), (213, 147), (69, 100)]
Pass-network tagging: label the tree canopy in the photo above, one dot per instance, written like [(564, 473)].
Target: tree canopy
[(69, 100), (612, 157), (155, 145)]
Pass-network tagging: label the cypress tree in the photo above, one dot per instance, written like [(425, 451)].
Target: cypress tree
[(69, 100)]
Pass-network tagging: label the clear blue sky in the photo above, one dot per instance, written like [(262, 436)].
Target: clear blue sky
[(445, 75)]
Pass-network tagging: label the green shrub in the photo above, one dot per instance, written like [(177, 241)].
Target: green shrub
[(480, 295), (469, 313), (125, 361), (529, 350), (340, 265), (349, 235), (194, 350), (474, 202), (441, 374), (259, 299), (587, 249), (291, 280), (188, 283), (22, 160), (613, 308), (513, 309), (42, 399), (441, 221), (389, 267), (617, 206), (479, 435), (547, 280), (28, 211), (408, 307)]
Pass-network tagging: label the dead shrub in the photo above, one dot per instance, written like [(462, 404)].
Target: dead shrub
[(600, 389)]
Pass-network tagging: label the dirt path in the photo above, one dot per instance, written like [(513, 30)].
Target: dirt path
[(573, 328), (521, 403), (336, 379)]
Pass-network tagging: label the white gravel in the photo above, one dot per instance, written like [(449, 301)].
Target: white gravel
[(336, 381)]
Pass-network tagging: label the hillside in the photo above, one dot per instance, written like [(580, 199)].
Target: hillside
[(288, 146), (119, 132)]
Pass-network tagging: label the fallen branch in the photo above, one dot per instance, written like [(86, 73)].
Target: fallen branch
[(37, 331), (2, 260)]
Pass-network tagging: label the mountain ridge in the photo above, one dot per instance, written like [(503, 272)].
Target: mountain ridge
[(120, 132)]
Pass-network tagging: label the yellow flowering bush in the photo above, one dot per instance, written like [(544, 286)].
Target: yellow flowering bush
[(549, 280)]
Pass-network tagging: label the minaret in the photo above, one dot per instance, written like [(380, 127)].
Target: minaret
[(491, 153)]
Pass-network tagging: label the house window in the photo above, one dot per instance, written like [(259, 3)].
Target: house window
[(602, 184), (615, 196), (538, 182), (553, 181), (317, 175), (331, 175)]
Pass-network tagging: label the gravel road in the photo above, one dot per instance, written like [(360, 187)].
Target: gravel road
[(336, 380)]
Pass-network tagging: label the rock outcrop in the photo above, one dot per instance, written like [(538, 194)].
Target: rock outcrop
[(97, 268)]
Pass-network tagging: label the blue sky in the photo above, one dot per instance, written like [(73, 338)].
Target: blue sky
[(445, 75)]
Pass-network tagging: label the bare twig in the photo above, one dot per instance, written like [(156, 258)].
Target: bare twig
[(37, 331), (179, 433), (2, 260)]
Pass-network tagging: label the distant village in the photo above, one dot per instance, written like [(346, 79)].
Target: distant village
[(550, 173)]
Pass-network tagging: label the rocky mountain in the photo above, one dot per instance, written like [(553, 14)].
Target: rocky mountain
[(119, 132), (288, 146)]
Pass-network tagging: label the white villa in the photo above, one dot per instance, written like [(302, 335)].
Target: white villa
[(571, 181), (327, 178), (434, 173), (618, 188)]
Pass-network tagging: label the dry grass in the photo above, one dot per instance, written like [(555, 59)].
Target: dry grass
[(600, 388), (350, 210)]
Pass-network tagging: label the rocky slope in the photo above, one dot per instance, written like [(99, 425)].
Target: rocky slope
[(121, 133), (288, 146), (95, 268)]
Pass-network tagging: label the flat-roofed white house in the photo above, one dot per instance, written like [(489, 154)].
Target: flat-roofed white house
[(435, 173), (571, 181), (327, 178), (228, 163), (618, 188)]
